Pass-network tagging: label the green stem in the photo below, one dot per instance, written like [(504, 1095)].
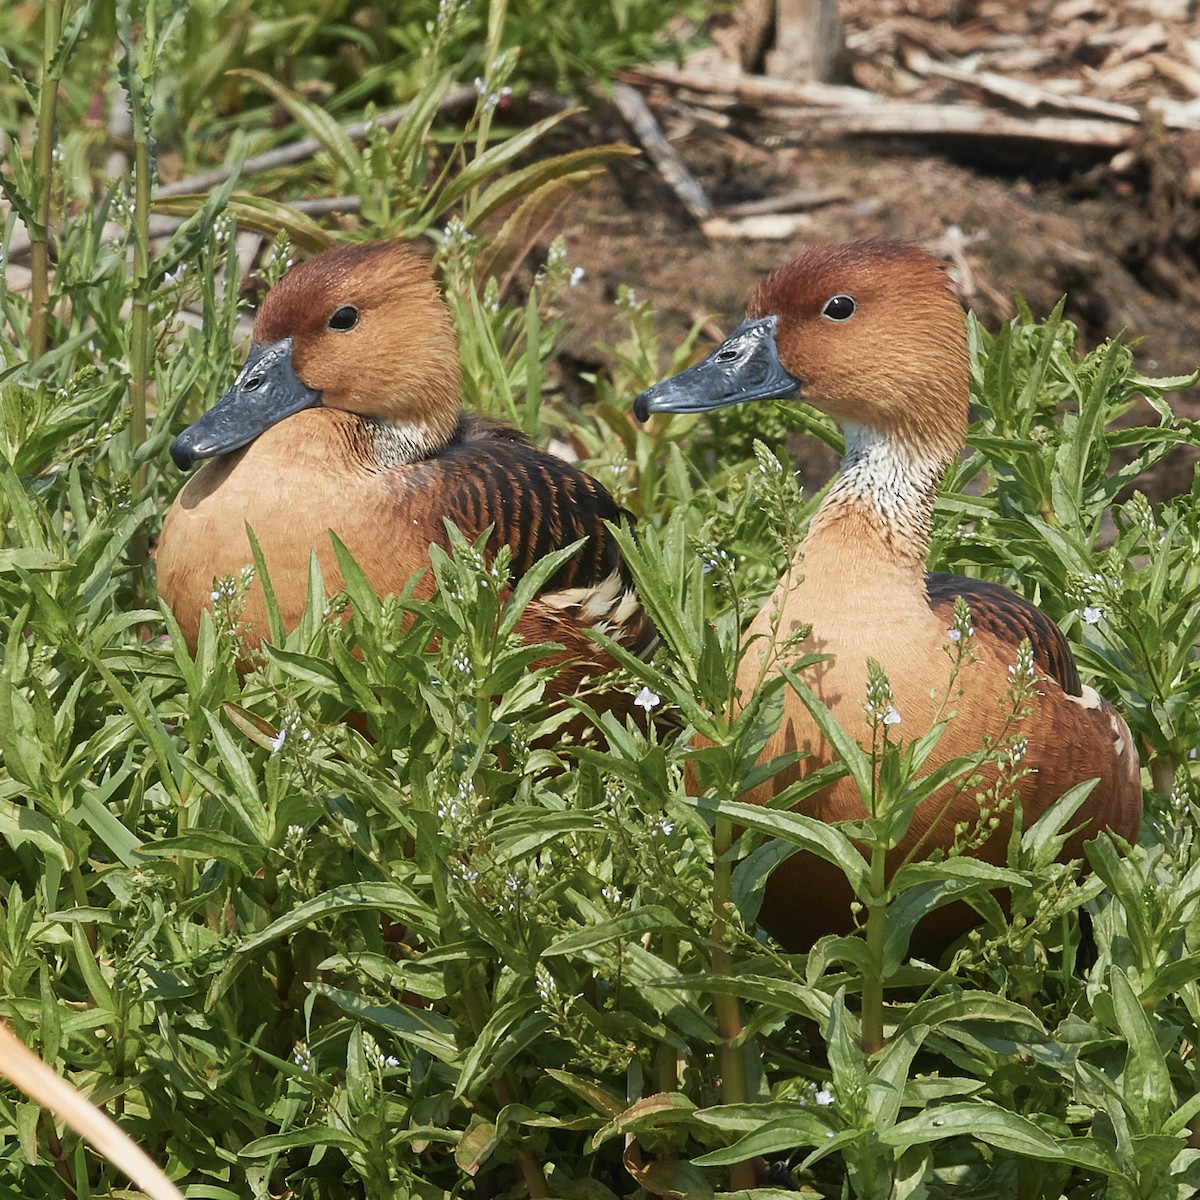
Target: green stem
[(139, 340), (734, 1089), (666, 1058), (1162, 774), (497, 12), (39, 235), (872, 992), (503, 1086), (185, 813), (505, 1090)]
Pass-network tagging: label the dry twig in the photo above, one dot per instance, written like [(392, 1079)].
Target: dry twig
[(645, 128)]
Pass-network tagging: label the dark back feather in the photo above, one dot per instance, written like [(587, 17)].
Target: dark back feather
[(537, 502), (1007, 617)]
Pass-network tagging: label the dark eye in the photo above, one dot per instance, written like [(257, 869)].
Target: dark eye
[(839, 308), (343, 318)]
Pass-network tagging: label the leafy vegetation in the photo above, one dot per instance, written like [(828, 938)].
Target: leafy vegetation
[(457, 957)]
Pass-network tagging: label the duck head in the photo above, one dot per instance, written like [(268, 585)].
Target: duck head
[(358, 328), (869, 332)]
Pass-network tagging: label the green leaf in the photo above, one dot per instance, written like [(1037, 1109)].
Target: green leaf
[(316, 1136), (509, 1030), (660, 1111), (577, 167), (259, 213), (807, 833), (957, 1006), (605, 1102), (492, 160), (391, 898), (426, 1030), (803, 1128), (244, 800), (651, 918), (979, 1120), (1146, 1086), (319, 123), (856, 759)]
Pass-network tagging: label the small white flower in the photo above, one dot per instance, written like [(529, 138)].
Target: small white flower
[(278, 740), (577, 274), (824, 1096), (646, 699), (891, 717), (954, 635), (1092, 615)]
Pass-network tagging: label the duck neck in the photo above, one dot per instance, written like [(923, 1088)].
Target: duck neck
[(875, 521), (395, 443)]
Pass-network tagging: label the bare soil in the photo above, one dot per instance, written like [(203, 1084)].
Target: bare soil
[(1120, 237)]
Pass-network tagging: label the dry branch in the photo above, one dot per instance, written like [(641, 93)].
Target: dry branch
[(767, 227), (793, 201), (754, 89), (952, 120), (296, 152), (1029, 95), (46, 1087), (646, 129)]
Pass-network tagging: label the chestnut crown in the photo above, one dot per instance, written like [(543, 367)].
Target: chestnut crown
[(371, 333), (873, 333)]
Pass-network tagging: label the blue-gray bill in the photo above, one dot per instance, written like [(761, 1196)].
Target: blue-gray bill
[(266, 390), (745, 366)]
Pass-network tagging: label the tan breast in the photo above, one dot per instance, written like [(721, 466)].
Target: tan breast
[(856, 614), (293, 485)]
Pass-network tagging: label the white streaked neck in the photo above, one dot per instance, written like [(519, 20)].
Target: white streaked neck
[(398, 443), (884, 491)]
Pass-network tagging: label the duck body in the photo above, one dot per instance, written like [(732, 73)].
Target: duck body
[(873, 334), (858, 609), (358, 432)]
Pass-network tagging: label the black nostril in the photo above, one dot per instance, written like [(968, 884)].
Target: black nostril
[(253, 383), (726, 355)]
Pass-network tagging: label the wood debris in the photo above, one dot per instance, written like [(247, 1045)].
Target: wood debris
[(1088, 79), (645, 128)]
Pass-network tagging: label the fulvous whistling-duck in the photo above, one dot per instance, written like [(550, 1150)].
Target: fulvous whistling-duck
[(347, 418), (873, 334)]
